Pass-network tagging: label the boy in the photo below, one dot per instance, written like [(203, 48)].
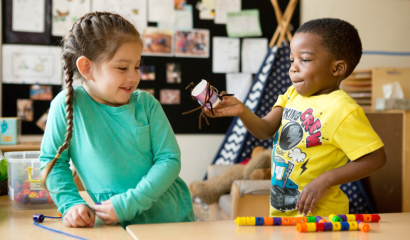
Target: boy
[(318, 127)]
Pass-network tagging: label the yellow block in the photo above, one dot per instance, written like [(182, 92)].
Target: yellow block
[(336, 226), (250, 221), (240, 221), (353, 226), (311, 227)]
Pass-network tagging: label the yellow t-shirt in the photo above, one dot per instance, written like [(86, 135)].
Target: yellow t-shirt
[(317, 134)]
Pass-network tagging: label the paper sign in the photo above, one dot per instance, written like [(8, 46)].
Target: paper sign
[(183, 20), (134, 11), (243, 24), (161, 11), (225, 55), (238, 84), (253, 51), (28, 16), (222, 7), (66, 13)]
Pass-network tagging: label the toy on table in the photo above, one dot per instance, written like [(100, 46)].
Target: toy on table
[(312, 223), (333, 226), (206, 95), (354, 217), (39, 218)]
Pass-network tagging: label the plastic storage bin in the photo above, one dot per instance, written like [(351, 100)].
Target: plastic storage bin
[(25, 189)]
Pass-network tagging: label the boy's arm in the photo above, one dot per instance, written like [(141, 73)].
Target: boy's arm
[(261, 128), (352, 171)]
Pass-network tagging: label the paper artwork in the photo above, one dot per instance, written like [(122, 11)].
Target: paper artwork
[(157, 42), (222, 7), (244, 24), (225, 55), (65, 13), (28, 16), (194, 43)]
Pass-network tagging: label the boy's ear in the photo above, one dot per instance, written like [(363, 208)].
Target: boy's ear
[(84, 67), (340, 68)]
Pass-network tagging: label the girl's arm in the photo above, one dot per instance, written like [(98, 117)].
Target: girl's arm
[(352, 171), (163, 173), (60, 181), (261, 128)]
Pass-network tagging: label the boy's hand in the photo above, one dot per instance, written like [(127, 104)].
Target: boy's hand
[(229, 107), (106, 212), (79, 216), (310, 195)]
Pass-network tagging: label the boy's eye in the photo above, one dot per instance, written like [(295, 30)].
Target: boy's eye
[(291, 60), (305, 60)]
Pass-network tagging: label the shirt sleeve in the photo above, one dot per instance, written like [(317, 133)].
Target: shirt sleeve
[(283, 99), (60, 181), (355, 136), (166, 168)]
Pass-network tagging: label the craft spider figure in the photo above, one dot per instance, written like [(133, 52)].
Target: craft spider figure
[(209, 92)]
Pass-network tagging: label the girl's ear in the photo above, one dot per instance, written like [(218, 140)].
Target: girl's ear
[(340, 68), (84, 67)]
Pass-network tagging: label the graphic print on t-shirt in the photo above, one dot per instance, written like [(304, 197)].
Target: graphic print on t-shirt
[(285, 192)]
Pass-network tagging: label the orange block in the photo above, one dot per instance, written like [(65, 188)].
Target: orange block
[(268, 221), (301, 227), (367, 218), (286, 221), (364, 227)]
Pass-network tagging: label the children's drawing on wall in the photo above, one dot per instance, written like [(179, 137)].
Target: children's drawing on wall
[(134, 11), (24, 64), (180, 4), (148, 90), (173, 73), (41, 122), (147, 72), (41, 92), (157, 42), (170, 96), (194, 43), (25, 109), (65, 13)]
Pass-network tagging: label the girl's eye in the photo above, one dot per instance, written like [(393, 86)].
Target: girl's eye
[(137, 68), (122, 69)]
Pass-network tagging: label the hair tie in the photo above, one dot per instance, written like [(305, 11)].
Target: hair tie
[(58, 156)]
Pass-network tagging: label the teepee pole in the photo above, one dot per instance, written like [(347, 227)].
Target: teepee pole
[(279, 16), (284, 24)]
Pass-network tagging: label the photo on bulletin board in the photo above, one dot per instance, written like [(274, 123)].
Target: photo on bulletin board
[(157, 42), (193, 43), (27, 21), (173, 73), (41, 122), (148, 90), (147, 72), (179, 4), (25, 109), (41, 92), (170, 96)]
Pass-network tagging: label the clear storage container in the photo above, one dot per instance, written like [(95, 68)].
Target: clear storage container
[(25, 189)]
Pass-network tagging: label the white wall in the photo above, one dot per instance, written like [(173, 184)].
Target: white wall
[(198, 151), (383, 25)]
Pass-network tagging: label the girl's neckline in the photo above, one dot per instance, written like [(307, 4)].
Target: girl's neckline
[(112, 109)]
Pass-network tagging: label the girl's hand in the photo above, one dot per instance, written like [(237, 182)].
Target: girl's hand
[(79, 216), (106, 212), (229, 107), (310, 195)]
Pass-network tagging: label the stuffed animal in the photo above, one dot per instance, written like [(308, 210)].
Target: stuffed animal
[(257, 168)]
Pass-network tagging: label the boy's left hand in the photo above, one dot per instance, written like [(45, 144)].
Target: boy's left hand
[(310, 195), (106, 212)]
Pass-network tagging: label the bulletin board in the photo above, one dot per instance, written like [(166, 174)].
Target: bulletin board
[(192, 70)]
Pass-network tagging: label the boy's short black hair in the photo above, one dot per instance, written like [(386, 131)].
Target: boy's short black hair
[(339, 37)]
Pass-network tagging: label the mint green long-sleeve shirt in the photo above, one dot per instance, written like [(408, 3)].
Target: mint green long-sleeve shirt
[(128, 154)]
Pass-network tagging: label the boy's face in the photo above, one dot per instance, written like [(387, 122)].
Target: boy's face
[(312, 66)]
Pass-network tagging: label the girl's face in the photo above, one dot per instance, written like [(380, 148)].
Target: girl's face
[(113, 81)]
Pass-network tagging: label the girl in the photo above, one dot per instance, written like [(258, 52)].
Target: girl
[(120, 141)]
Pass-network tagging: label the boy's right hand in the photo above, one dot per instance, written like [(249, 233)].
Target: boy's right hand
[(229, 107), (79, 216)]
